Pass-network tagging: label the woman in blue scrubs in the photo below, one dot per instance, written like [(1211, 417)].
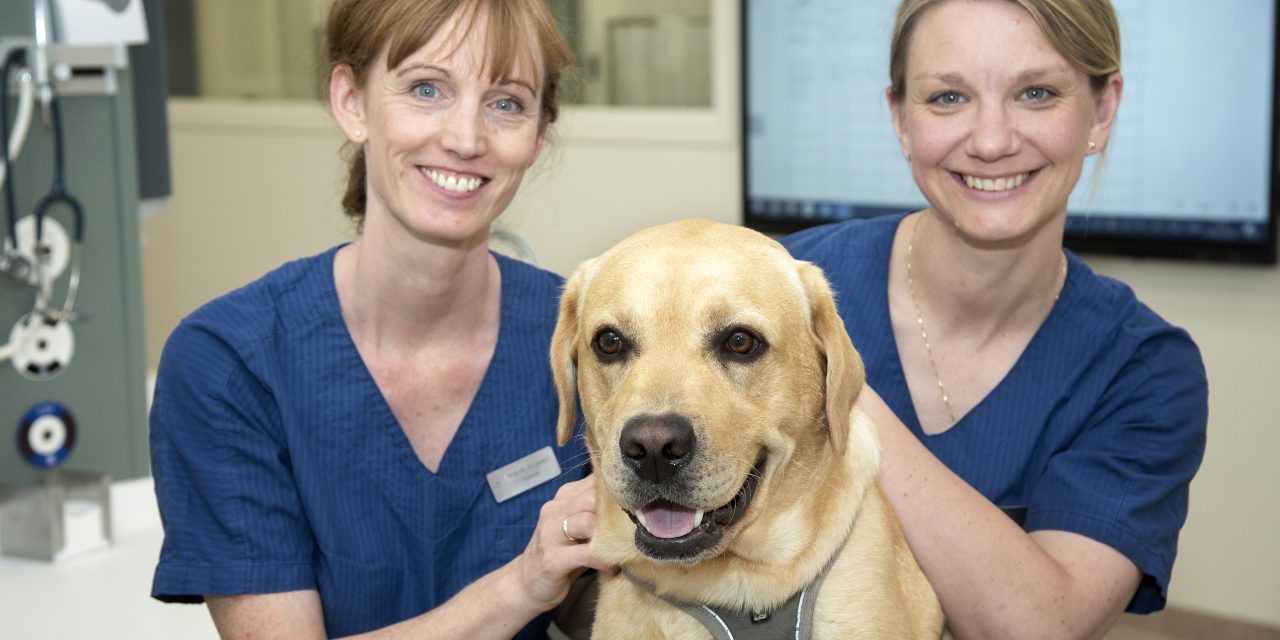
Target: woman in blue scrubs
[(1008, 377), (363, 440)]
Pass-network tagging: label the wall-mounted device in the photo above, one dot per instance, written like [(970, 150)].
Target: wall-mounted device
[(72, 369)]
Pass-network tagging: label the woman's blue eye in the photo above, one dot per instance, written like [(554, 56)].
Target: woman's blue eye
[(1037, 93), (948, 98), (509, 105), (425, 90)]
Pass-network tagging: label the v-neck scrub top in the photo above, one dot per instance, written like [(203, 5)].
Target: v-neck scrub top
[(279, 465), (1097, 429)]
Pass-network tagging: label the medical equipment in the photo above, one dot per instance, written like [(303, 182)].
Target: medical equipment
[(58, 195), (72, 364), (42, 342), (15, 268)]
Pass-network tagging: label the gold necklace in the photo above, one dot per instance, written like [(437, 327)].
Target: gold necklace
[(924, 335)]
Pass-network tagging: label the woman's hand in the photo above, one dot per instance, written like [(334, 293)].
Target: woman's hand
[(557, 553)]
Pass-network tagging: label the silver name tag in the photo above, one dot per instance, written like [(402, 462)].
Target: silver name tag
[(513, 479)]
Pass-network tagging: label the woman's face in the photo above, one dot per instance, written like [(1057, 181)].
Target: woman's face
[(446, 148), (994, 121)]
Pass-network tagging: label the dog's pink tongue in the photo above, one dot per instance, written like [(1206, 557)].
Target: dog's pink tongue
[(668, 521)]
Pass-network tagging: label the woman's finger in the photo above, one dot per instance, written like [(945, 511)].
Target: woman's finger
[(579, 527)]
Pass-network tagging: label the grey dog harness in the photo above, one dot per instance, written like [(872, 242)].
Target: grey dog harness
[(791, 619)]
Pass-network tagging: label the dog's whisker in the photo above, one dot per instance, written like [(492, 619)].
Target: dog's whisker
[(580, 456), (585, 464), (572, 467)]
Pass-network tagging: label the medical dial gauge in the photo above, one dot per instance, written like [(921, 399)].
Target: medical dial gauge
[(44, 347), (46, 435)]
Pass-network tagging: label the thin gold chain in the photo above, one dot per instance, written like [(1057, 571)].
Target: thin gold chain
[(924, 335)]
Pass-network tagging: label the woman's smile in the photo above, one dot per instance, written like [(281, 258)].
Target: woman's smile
[(993, 185), (452, 181)]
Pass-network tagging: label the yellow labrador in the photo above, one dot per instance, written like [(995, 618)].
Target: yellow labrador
[(736, 478)]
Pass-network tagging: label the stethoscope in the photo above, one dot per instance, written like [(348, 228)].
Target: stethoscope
[(41, 344)]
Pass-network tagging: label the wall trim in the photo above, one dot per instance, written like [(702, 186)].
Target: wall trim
[(282, 116)]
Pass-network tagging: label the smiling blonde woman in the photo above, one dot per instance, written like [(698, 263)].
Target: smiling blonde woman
[(1006, 377)]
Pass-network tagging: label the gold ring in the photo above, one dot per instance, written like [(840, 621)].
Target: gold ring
[(564, 527)]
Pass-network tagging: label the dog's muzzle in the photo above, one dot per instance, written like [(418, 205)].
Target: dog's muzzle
[(659, 450)]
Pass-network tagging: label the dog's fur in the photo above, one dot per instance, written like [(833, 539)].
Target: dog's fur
[(674, 294)]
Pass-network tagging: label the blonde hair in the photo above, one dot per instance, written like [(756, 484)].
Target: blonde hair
[(1085, 32), (516, 33)]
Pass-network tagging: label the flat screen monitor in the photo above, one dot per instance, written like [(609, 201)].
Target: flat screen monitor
[(1190, 166)]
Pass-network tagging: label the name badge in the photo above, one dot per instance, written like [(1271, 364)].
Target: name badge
[(513, 479)]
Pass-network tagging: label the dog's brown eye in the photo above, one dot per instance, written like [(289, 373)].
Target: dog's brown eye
[(609, 343), (742, 343)]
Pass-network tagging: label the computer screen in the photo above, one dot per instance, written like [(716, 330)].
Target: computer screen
[(1190, 165)]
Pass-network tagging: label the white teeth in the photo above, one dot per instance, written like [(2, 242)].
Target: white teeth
[(697, 518), (456, 184), (995, 184)]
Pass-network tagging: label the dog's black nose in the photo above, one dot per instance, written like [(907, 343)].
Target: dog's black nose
[(656, 446)]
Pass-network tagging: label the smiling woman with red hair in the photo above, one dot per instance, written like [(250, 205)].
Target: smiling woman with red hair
[(321, 438)]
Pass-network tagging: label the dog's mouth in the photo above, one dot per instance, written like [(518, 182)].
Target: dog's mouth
[(669, 531)]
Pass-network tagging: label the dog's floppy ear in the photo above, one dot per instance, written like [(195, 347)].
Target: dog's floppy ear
[(844, 371), (564, 356)]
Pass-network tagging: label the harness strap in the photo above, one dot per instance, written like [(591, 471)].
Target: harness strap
[(720, 624), (705, 616)]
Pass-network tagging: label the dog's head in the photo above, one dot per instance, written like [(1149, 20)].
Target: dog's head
[(715, 378)]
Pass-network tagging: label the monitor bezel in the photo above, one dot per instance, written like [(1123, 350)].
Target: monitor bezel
[(1084, 242)]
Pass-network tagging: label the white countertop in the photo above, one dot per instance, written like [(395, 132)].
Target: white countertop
[(102, 594)]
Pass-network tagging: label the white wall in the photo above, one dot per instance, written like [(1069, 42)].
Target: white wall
[(256, 185)]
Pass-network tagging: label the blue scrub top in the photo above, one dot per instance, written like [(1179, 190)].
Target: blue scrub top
[(1097, 429), (279, 466)]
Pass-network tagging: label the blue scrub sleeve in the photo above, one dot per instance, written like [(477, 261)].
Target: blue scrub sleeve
[(1124, 480), (233, 520)]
